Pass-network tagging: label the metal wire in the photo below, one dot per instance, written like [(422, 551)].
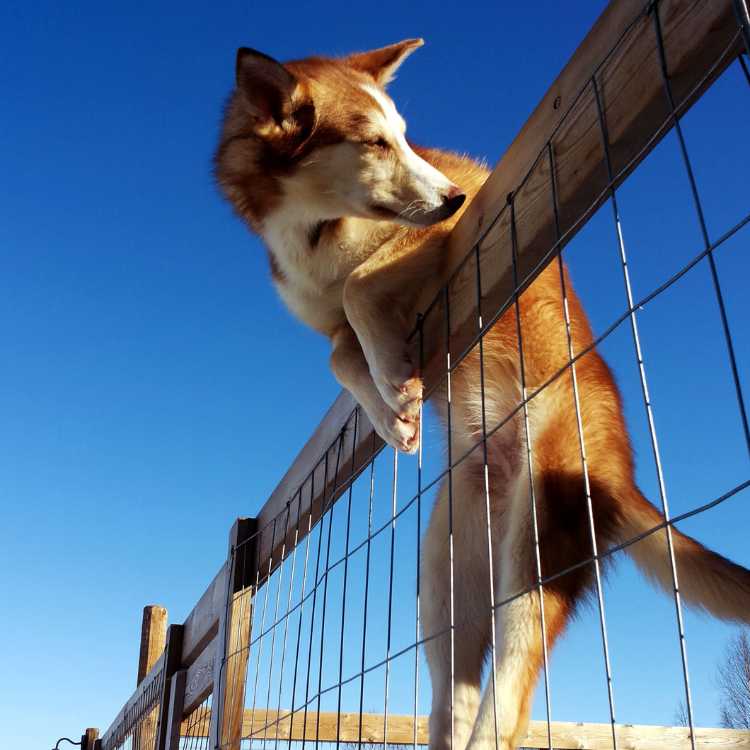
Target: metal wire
[(530, 469)]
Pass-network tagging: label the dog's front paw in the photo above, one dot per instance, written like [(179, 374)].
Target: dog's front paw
[(400, 433), (402, 390)]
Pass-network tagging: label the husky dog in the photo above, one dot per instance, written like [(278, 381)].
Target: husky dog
[(313, 156)]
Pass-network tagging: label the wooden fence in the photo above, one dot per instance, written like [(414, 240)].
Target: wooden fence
[(183, 666)]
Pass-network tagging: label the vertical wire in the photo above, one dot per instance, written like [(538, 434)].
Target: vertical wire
[(704, 229), (647, 399), (493, 641), (301, 611), (314, 599), (262, 625), (530, 469), (286, 619), (450, 506), (346, 572), (743, 20), (367, 588), (325, 584), (420, 331), (276, 620), (743, 65), (390, 598), (589, 505)]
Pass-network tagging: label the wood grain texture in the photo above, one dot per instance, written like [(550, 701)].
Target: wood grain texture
[(202, 623), (175, 711), (153, 640), (200, 678), (232, 638), (328, 727)]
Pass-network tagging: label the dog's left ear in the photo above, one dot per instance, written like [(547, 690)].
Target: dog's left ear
[(383, 63)]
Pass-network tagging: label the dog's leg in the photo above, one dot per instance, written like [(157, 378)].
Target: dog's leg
[(379, 300), (350, 368), (503, 716), (455, 702)]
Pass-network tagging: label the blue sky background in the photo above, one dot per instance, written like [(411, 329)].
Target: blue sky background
[(153, 388)]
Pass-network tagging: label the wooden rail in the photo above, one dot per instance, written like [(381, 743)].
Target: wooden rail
[(619, 57), (345, 727), (700, 39)]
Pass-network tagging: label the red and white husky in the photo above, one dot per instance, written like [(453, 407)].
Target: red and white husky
[(313, 155)]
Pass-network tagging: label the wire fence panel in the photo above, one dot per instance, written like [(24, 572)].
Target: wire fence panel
[(194, 732), (136, 725), (337, 632), (377, 588)]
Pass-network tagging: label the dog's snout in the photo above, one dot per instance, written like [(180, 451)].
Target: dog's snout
[(453, 199)]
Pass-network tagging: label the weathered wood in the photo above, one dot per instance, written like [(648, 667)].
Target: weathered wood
[(233, 637), (200, 678), (172, 656), (153, 640), (175, 711), (312, 481), (328, 727), (89, 738), (202, 624), (696, 34), (128, 715)]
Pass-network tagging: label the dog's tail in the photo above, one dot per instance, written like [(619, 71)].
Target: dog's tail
[(706, 580)]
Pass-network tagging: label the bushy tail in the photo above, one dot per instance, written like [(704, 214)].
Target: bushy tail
[(706, 580)]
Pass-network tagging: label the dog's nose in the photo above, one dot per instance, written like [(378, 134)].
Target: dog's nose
[(453, 199)]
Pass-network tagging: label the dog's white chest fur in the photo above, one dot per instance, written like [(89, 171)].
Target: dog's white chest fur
[(312, 262)]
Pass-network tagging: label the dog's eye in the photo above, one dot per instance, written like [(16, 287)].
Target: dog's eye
[(379, 143)]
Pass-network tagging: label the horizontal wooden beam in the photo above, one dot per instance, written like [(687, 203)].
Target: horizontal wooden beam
[(332, 457), (330, 727), (200, 678), (201, 624), (621, 53)]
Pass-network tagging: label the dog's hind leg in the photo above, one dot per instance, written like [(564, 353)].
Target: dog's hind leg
[(503, 716), (455, 658)]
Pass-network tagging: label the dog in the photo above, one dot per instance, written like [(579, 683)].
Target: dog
[(313, 156)]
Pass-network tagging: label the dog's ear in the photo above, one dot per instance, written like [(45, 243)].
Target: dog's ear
[(383, 63), (266, 85)]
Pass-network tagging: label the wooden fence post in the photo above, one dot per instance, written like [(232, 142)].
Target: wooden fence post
[(153, 641), (233, 639), (175, 710), (89, 738), (172, 660)]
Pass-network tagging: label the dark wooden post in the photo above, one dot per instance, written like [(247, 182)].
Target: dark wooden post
[(233, 638)]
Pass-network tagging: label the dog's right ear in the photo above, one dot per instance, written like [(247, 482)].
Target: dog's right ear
[(266, 85)]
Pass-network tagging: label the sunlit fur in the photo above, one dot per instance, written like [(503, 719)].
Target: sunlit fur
[(313, 156)]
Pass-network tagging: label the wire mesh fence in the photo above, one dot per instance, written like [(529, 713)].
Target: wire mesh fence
[(136, 726), (379, 563), (336, 628)]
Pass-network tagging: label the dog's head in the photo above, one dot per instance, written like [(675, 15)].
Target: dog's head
[(321, 135)]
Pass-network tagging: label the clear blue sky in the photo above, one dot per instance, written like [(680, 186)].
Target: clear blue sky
[(153, 388)]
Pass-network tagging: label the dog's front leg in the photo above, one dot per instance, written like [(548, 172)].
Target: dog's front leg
[(399, 429), (379, 301)]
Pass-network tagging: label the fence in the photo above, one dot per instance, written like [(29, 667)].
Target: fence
[(317, 608)]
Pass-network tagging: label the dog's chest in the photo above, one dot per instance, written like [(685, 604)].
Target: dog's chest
[(310, 264)]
